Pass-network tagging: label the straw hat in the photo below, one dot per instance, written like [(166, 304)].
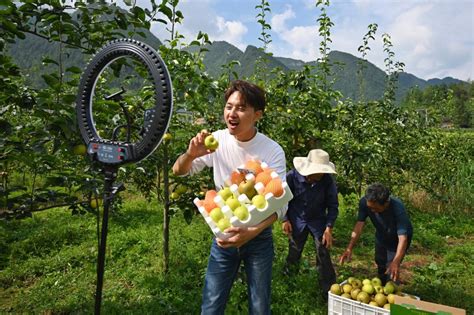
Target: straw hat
[(317, 161)]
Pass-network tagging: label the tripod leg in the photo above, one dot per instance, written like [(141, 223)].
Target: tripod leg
[(102, 244)]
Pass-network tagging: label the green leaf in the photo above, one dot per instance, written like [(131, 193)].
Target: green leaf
[(50, 80)]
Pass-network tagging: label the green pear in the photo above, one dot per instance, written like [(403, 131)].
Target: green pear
[(373, 303), (366, 281), (356, 283), (347, 288), (336, 289), (363, 297), (368, 288), (381, 299), (247, 187), (354, 293), (241, 212), (225, 193), (346, 295), (216, 214), (233, 203), (376, 281), (259, 202), (223, 224), (391, 298), (389, 288), (211, 143), (378, 289)]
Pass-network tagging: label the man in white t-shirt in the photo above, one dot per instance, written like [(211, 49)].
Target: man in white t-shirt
[(240, 142)]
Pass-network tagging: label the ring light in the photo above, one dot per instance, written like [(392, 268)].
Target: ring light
[(156, 119)]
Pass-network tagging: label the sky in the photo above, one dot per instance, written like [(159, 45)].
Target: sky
[(433, 38)]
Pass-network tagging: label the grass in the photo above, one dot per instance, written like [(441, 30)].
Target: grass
[(48, 264)]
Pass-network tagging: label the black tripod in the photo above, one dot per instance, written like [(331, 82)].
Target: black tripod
[(110, 190)]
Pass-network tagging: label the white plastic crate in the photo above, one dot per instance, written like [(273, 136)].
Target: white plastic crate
[(255, 215), (338, 305)]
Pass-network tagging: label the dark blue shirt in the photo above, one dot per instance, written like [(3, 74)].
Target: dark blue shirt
[(314, 206), (390, 223)]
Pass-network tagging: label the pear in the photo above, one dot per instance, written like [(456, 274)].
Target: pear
[(247, 187), (336, 289), (347, 288), (381, 299), (363, 297), (346, 295), (354, 293)]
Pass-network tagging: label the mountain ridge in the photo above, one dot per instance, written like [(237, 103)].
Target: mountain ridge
[(28, 54)]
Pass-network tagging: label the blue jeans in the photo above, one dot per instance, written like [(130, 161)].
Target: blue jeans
[(222, 269)]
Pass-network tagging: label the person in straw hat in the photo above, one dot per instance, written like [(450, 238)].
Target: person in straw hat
[(313, 210)]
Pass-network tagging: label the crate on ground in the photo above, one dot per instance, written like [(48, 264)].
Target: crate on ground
[(339, 305)]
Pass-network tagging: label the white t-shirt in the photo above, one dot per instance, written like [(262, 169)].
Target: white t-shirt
[(232, 154)]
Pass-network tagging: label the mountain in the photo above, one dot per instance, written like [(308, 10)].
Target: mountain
[(221, 53), (28, 54), (345, 69)]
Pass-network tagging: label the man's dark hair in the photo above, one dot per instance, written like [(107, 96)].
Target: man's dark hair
[(377, 192), (252, 94)]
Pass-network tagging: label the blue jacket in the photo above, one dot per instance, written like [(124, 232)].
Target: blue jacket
[(314, 206)]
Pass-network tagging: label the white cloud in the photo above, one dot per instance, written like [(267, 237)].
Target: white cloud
[(278, 21), (430, 47), (201, 16), (297, 42), (230, 31)]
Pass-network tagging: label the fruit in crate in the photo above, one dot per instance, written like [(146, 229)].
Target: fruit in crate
[(376, 281), (242, 201), (381, 299), (336, 289), (254, 166), (225, 193), (232, 203), (275, 186), (209, 203), (378, 289), (216, 214), (368, 288), (259, 202), (264, 177), (347, 288), (370, 293), (241, 212), (247, 187), (356, 283), (354, 293), (223, 224), (346, 295), (389, 288), (363, 297), (236, 177)]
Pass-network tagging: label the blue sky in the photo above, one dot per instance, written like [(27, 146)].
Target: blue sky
[(434, 38)]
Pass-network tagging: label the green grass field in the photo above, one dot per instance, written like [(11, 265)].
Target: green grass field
[(48, 264)]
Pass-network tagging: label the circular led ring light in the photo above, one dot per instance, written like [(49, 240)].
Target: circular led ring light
[(156, 119)]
